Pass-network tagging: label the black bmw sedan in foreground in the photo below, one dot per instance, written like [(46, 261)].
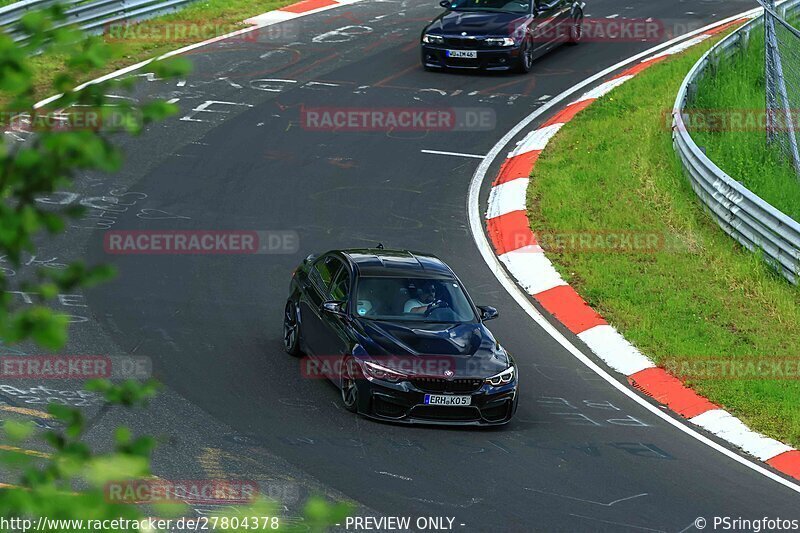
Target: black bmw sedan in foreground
[(397, 333), (499, 34)]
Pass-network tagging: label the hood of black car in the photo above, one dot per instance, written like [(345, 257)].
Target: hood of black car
[(468, 348), (476, 23)]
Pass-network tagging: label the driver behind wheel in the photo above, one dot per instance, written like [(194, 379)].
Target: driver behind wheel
[(425, 300)]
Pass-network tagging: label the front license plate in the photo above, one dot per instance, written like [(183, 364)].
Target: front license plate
[(443, 399), (463, 54)]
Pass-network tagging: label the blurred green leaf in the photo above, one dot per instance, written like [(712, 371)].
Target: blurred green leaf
[(101, 470), (17, 431)]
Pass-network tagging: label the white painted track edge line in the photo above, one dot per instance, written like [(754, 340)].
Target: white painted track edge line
[(523, 300), (459, 154)]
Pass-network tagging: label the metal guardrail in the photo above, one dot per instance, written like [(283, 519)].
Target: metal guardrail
[(90, 16), (739, 212)]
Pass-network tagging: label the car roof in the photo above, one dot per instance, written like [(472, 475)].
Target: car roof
[(382, 262)]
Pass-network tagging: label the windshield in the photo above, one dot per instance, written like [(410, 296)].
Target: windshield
[(491, 5), (412, 299)]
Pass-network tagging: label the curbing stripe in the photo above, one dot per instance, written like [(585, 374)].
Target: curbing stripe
[(510, 232), (507, 197), (787, 462), (532, 269), (569, 308), (644, 65), (517, 248), (569, 112), (728, 427), (308, 5), (604, 88), (519, 166), (670, 391), (618, 353), (720, 29), (271, 17), (678, 48), (536, 140)]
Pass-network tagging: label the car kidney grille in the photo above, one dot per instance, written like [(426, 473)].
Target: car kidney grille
[(460, 43), (436, 385)]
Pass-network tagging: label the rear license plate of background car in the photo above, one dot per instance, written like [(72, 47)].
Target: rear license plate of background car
[(442, 399), (463, 54)]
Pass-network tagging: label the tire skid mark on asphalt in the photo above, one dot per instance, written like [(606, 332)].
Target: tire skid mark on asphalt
[(602, 504), (613, 523)]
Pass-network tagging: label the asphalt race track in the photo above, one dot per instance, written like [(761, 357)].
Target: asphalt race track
[(579, 456)]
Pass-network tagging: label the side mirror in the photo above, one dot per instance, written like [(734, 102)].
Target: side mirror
[(445, 4), (488, 312), (334, 307)]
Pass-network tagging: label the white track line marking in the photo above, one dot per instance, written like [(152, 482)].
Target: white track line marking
[(523, 300), (457, 154), (398, 476)]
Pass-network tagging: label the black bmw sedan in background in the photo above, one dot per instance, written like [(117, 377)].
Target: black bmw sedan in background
[(397, 333), (499, 34)]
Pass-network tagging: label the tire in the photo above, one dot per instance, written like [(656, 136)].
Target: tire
[(291, 330), (576, 30), (349, 388), (526, 58)]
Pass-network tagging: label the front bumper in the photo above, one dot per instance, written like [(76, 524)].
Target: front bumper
[(435, 56), (404, 403)]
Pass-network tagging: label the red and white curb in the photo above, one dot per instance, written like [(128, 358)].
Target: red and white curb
[(517, 248), (304, 7)]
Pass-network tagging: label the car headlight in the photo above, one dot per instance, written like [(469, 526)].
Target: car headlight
[(432, 39), (381, 372), (500, 41), (502, 378)]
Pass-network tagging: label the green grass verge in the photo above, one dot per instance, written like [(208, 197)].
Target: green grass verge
[(227, 14), (738, 85), (613, 168)]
